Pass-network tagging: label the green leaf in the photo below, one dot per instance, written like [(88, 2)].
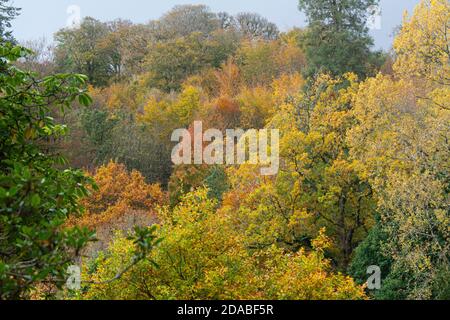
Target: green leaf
[(35, 200)]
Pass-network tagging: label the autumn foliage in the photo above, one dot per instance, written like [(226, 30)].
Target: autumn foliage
[(364, 169), (117, 189), (363, 159)]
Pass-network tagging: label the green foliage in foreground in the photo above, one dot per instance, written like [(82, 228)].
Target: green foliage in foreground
[(35, 196)]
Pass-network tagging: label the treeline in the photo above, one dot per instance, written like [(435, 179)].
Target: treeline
[(225, 65), (182, 43), (147, 80), (364, 171)]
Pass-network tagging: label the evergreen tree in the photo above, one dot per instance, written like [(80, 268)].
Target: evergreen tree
[(338, 40), (7, 14)]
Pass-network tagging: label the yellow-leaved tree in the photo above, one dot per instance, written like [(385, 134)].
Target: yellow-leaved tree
[(318, 184), (203, 256), (401, 139), (122, 201)]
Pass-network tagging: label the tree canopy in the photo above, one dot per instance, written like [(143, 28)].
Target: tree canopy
[(362, 178), (337, 40)]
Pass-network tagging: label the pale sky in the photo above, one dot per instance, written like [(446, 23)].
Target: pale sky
[(44, 17)]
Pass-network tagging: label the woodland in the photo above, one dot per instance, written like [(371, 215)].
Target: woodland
[(86, 176)]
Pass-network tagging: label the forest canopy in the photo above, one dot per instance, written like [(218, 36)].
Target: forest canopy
[(86, 176)]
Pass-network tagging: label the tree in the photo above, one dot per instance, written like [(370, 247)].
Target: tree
[(122, 200), (404, 147), (183, 20), (166, 115), (116, 185), (105, 51), (261, 62), (133, 46), (370, 253), (402, 138), (80, 50), (318, 184), (227, 21), (170, 63), (253, 26), (7, 14), (196, 261), (111, 46), (426, 35), (35, 196), (337, 40), (186, 178), (256, 107), (125, 47), (118, 136), (42, 58)]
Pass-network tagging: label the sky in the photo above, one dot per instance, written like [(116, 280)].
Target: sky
[(42, 18)]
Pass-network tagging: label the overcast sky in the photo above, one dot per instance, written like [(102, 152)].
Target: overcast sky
[(44, 17)]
